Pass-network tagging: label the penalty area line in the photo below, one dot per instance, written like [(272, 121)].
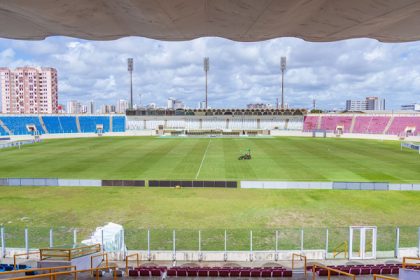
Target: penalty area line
[(202, 160)]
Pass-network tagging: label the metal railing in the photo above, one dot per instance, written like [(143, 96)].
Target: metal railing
[(54, 275), (329, 269), (341, 248), (126, 261), (23, 254), (50, 269), (97, 256), (406, 263), (68, 254), (301, 258), (377, 277), (389, 240)]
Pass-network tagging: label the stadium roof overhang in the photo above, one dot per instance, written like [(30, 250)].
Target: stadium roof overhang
[(239, 20)]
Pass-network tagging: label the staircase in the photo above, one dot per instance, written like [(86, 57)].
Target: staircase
[(353, 122), (78, 124), (391, 120), (5, 128), (318, 125), (110, 123), (41, 121)]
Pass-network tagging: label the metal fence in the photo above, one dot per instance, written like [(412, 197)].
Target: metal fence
[(389, 239)]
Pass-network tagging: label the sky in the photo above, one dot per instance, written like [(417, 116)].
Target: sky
[(240, 73)]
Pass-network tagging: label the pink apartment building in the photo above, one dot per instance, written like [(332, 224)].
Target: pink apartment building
[(29, 90)]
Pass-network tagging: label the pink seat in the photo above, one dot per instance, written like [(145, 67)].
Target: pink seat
[(133, 272), (277, 273)]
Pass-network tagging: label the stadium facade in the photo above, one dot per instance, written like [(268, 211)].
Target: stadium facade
[(214, 121)]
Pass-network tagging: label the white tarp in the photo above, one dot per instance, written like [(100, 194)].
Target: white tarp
[(245, 20), (111, 236)]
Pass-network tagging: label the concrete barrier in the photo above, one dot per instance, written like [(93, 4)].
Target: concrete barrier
[(228, 256), (79, 183), (404, 187), (364, 186), (285, 185)]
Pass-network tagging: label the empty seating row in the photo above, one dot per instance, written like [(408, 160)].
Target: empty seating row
[(332, 122), (360, 269), (19, 125), (90, 123), (2, 131), (60, 124), (267, 272), (10, 267), (310, 123), (370, 124), (118, 124), (400, 124)]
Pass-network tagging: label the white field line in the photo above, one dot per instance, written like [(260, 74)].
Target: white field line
[(202, 160)]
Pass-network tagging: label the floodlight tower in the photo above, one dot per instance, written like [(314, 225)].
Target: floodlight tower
[(130, 70), (206, 70), (283, 68)]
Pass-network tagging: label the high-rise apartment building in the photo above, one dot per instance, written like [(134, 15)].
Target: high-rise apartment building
[(29, 90), (122, 106), (369, 104)]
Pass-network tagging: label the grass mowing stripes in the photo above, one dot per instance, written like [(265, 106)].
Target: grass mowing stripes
[(210, 210), (286, 158)]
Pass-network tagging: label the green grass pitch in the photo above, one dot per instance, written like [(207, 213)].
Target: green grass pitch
[(294, 159), (211, 210)]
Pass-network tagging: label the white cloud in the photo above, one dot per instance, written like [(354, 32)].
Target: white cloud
[(239, 72)]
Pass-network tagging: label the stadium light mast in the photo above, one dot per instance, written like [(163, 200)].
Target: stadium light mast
[(130, 64), (206, 70), (283, 68)]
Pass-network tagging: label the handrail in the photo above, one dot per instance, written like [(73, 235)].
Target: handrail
[(345, 249), (69, 253), (404, 264), (329, 269), (126, 261), (38, 269), (23, 254), (54, 274), (377, 276), (99, 255), (301, 257)]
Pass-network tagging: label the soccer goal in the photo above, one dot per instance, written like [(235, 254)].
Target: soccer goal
[(99, 129), (411, 146), (319, 133)]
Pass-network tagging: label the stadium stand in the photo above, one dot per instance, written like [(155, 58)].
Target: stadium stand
[(60, 124), (3, 132), (89, 123), (361, 269), (310, 123), (330, 123), (118, 123), (400, 124), (174, 124), (243, 272), (18, 124), (370, 124)]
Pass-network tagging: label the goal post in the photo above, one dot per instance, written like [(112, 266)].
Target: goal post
[(411, 146)]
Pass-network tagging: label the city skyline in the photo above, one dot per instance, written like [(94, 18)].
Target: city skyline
[(242, 73)]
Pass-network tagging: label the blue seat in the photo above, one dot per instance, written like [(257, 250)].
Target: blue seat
[(89, 123), (118, 123), (60, 124), (17, 124)]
